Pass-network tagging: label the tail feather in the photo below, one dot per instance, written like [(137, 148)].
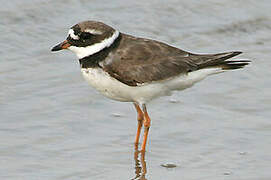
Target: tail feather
[(219, 60), (229, 65)]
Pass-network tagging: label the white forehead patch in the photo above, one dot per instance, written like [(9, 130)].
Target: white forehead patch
[(82, 52), (72, 35), (93, 31)]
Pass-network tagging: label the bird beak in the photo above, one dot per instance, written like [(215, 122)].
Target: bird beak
[(64, 45)]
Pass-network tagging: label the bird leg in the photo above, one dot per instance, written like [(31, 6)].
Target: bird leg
[(147, 124), (139, 124)]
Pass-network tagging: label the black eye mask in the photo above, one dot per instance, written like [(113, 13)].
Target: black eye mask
[(85, 39), (85, 35)]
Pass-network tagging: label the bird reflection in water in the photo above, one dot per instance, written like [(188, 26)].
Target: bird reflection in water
[(140, 164)]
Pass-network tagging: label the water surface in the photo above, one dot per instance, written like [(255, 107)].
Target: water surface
[(54, 126)]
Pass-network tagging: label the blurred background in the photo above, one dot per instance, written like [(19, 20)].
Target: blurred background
[(54, 126)]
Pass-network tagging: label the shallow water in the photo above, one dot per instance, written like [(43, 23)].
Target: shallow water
[(54, 126)]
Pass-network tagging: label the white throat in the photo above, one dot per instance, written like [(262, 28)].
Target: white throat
[(82, 52)]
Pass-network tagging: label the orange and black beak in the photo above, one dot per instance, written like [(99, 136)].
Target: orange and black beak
[(64, 45)]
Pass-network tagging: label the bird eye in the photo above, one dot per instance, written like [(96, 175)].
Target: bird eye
[(85, 35)]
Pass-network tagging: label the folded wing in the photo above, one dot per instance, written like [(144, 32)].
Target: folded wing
[(139, 61)]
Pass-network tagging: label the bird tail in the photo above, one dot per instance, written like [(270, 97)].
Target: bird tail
[(220, 61), (238, 64)]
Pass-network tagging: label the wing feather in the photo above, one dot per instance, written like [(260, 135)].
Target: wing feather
[(137, 61)]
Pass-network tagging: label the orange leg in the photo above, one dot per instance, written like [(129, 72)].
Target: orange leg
[(144, 166), (139, 124), (147, 124)]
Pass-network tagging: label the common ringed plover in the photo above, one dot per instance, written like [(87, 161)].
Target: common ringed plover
[(132, 69)]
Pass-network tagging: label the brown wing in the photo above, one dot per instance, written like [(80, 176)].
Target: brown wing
[(139, 60)]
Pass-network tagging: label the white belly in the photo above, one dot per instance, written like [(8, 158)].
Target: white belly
[(114, 89)]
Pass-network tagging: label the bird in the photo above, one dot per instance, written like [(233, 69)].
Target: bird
[(126, 68)]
